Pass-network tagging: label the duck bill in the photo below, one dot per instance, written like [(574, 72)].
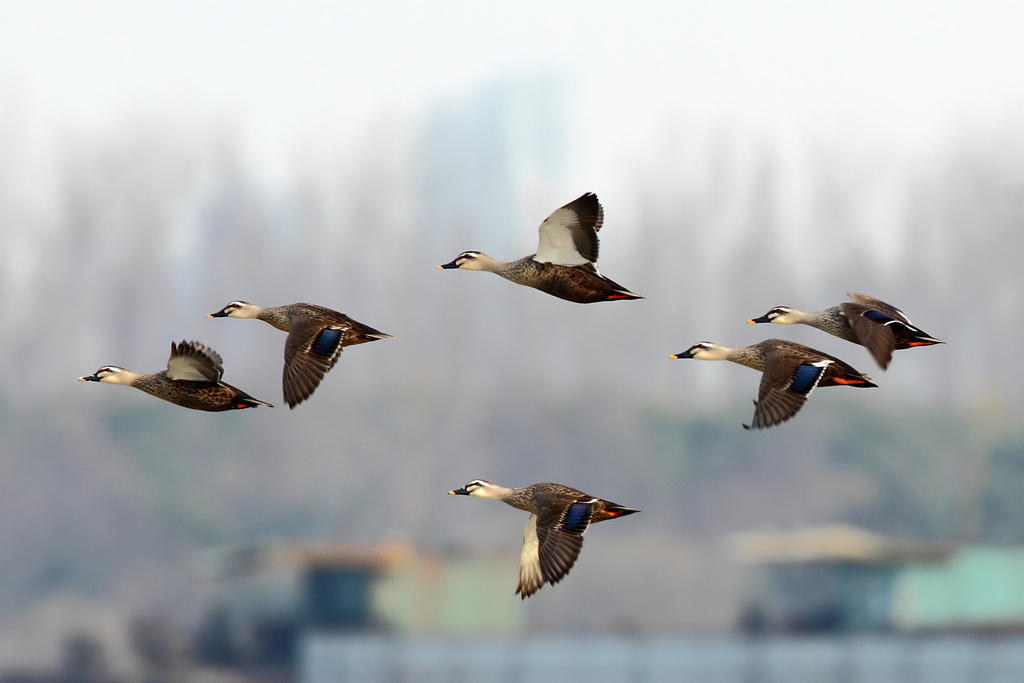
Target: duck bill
[(459, 492), (762, 319), (89, 378), (688, 353), (449, 266), (218, 314)]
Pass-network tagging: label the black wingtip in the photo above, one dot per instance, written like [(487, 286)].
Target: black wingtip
[(523, 594)]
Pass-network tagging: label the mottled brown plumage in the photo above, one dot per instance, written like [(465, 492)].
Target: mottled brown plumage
[(192, 380), (565, 264), (874, 324), (790, 372), (316, 336), (554, 533)]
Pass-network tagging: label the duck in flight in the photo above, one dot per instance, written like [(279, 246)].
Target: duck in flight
[(316, 336), (192, 380), (789, 373), (565, 264), (554, 533), (874, 324)]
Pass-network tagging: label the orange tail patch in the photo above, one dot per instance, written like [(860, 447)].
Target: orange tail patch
[(619, 512)]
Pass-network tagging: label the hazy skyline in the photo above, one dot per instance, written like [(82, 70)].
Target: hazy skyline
[(314, 75)]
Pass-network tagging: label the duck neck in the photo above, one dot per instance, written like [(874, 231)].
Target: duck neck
[(150, 383), (520, 271), (493, 492), (277, 316), (491, 265), (815, 318), (521, 499), (749, 356), (831, 320), (126, 377)]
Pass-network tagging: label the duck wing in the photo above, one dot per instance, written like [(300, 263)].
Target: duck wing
[(873, 329), (530, 577), (879, 305), (194, 362), (906, 334), (557, 539), (311, 350), (568, 237), (355, 331), (786, 383)]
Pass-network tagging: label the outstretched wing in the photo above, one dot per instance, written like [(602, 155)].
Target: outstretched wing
[(785, 385), (568, 237), (560, 528), (310, 352), (530, 577), (194, 362)]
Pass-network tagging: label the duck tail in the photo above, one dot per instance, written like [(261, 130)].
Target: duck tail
[(250, 402), (364, 333), (855, 381), (924, 340), (612, 510)]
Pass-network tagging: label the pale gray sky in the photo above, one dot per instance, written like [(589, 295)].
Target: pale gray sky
[(892, 72)]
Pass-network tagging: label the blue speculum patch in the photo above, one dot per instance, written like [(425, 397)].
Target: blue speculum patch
[(805, 378), (878, 317), (577, 517), (326, 342)]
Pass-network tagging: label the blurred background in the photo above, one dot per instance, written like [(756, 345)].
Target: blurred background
[(160, 161)]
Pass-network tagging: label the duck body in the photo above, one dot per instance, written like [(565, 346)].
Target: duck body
[(197, 395), (872, 323), (565, 264), (579, 284), (316, 336), (559, 515), (192, 380), (790, 372)]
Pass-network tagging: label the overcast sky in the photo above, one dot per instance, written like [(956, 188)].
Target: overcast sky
[(897, 72)]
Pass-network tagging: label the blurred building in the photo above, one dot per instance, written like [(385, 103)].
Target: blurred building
[(273, 596), (844, 579)]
